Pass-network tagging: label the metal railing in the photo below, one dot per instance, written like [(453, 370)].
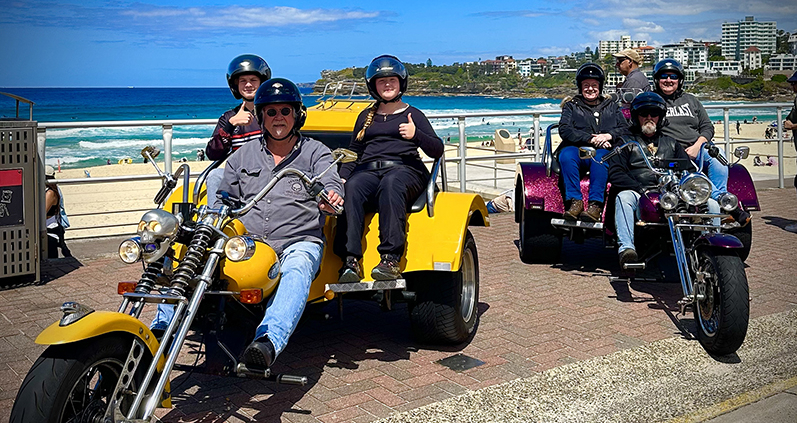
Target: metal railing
[(462, 160)]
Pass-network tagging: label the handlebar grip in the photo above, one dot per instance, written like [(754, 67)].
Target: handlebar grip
[(324, 196), (163, 193), (714, 152), (290, 379)]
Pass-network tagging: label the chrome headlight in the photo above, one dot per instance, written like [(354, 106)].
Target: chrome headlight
[(239, 248), (157, 225), (130, 250), (668, 201), (695, 189), (728, 202)]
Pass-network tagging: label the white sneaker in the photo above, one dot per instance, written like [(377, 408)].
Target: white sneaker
[(791, 228)]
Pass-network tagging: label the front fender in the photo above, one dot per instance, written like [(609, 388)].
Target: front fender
[(101, 323), (718, 240)]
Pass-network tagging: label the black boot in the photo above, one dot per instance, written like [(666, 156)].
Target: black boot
[(740, 216), (387, 269), (259, 354), (351, 271)]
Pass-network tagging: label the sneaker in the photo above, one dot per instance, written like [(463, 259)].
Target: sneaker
[(576, 207), (387, 269), (351, 271), (740, 216), (628, 256), (259, 354), (593, 213)]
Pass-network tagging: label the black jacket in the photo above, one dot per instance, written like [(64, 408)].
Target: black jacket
[(579, 122), (627, 170)]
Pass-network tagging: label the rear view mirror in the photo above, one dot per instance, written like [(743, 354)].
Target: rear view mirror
[(150, 152), (741, 152), (344, 155), (586, 152)]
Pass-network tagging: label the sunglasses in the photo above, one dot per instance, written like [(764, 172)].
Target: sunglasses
[(669, 76), (649, 113), (622, 59), (285, 111)]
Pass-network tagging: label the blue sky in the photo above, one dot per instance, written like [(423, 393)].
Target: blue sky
[(189, 44)]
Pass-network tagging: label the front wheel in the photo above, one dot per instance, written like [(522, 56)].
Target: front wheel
[(73, 382), (446, 304), (723, 312), (539, 241)]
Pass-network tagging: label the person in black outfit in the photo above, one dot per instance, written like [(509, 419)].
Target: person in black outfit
[(388, 174), (588, 120), (628, 173)]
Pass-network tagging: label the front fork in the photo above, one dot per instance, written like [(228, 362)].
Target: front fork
[(687, 266)]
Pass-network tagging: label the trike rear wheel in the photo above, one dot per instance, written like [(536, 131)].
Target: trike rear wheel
[(539, 241)]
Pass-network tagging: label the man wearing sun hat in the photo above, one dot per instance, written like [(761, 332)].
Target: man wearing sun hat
[(628, 62)]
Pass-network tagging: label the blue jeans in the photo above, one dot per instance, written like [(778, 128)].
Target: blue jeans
[(626, 212), (299, 264), (716, 172), (212, 183), (571, 166)]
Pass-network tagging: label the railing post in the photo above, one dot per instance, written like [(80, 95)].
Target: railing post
[(168, 131), (537, 137), (463, 151), (726, 127), (780, 147)]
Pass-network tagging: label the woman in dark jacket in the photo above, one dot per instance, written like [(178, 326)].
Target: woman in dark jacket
[(388, 174), (589, 119)]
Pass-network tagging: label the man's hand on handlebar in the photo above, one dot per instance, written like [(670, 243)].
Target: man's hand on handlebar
[(331, 203)]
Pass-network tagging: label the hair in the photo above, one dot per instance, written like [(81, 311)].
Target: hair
[(368, 121)]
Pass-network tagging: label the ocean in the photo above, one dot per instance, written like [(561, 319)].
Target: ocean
[(77, 148)]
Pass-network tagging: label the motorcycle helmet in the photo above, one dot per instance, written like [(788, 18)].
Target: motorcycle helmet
[(246, 64), (590, 70), (384, 66), (649, 102), (280, 90), (668, 66)]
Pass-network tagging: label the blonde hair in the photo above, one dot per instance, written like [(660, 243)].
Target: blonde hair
[(368, 121)]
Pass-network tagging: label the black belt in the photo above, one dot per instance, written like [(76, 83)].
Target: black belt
[(378, 164)]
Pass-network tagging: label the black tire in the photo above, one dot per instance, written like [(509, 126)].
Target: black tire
[(723, 315), (539, 241), (55, 388), (446, 303), (745, 234)]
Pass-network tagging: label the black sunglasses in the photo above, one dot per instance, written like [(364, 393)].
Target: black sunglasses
[(649, 113), (285, 111)]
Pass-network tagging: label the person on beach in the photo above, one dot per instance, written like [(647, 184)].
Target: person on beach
[(289, 218), (57, 220), (635, 82), (388, 174), (738, 128), (629, 174), (588, 120), (236, 126), (690, 125)]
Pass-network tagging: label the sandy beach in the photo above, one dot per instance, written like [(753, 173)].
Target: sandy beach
[(117, 206)]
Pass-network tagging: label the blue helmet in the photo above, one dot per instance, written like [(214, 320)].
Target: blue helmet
[(792, 79), (280, 90), (384, 66), (246, 64)]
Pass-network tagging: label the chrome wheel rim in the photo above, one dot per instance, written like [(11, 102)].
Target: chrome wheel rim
[(708, 309), (469, 282)]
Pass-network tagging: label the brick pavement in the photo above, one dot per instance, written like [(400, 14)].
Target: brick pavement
[(533, 318)]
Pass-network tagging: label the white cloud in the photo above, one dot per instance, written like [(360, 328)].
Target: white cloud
[(640, 25), (241, 17)]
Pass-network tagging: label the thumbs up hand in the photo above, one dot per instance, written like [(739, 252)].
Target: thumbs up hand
[(243, 117), (407, 130)]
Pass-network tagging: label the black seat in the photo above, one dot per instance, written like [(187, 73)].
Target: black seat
[(431, 187)]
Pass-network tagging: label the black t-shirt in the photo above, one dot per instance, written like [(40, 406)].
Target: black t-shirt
[(382, 140)]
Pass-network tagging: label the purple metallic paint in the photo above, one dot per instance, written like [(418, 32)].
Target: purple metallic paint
[(719, 240), (649, 210), (740, 183), (543, 191)]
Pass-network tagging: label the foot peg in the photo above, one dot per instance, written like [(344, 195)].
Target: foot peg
[(242, 371), (634, 266)]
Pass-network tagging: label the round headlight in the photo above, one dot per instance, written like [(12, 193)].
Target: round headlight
[(130, 251), (239, 248), (695, 189), (728, 202), (668, 201)]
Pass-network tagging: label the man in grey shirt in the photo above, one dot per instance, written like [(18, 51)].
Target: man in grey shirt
[(628, 62), (288, 217)]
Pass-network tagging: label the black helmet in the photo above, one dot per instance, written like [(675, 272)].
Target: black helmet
[(590, 70), (793, 78), (650, 102), (246, 64), (280, 90), (668, 66), (384, 66)]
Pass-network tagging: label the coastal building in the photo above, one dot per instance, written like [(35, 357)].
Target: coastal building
[(726, 67), (648, 54), (531, 67), (793, 42), (751, 59), (614, 78), (738, 36), (782, 62), (613, 46), (501, 64), (690, 53)]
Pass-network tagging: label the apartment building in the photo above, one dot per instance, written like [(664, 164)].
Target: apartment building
[(738, 36), (614, 46), (782, 62), (690, 53)]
